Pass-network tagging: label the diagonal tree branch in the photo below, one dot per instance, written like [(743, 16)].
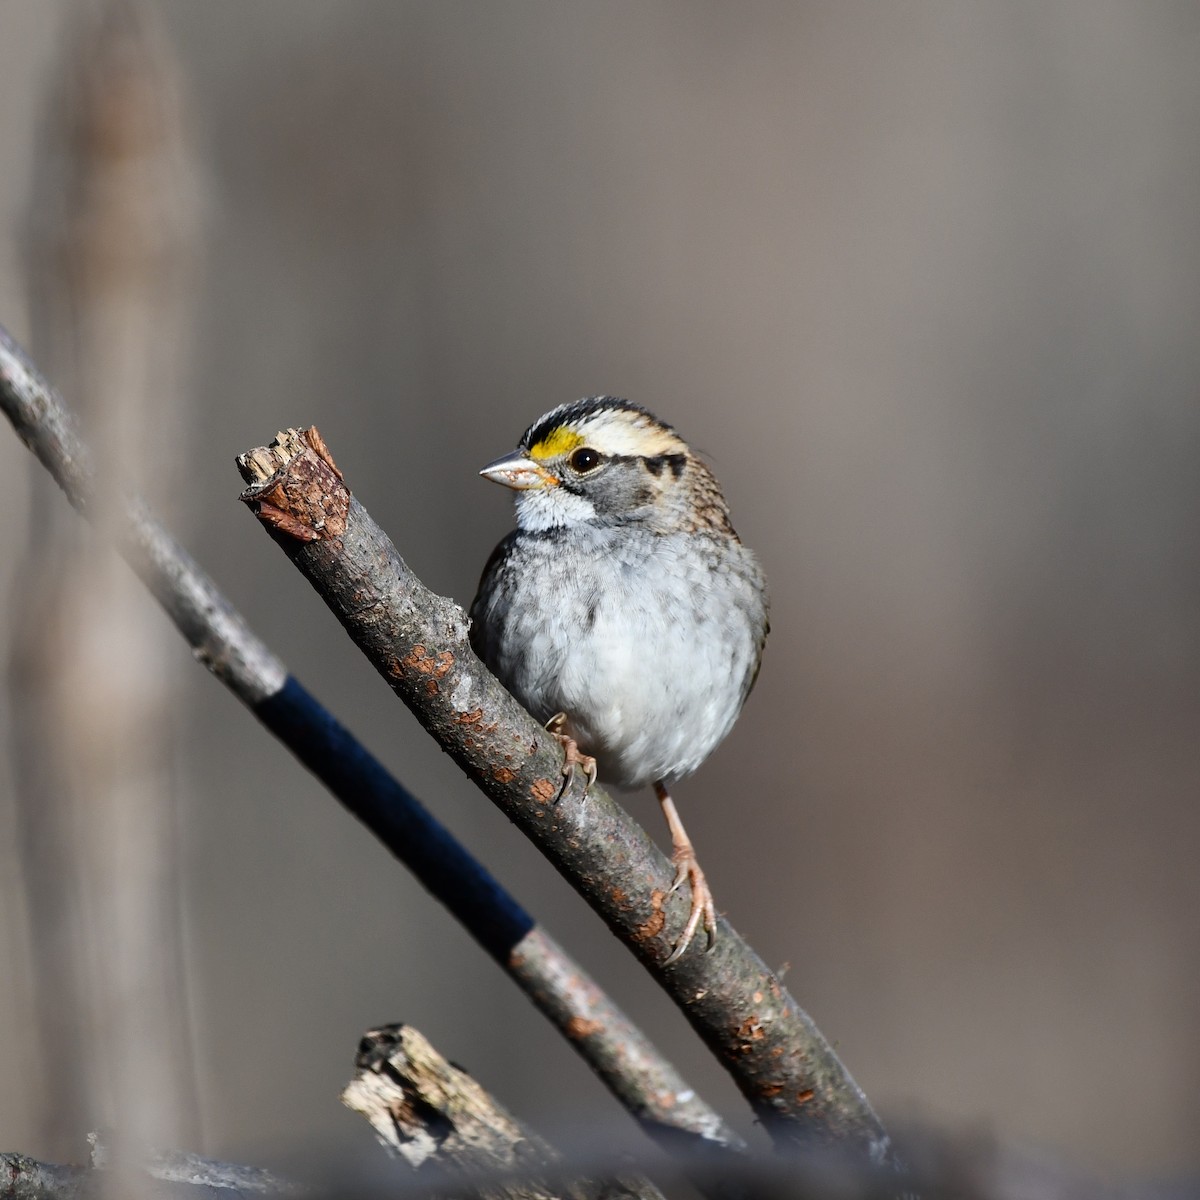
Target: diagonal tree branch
[(620, 1054), (418, 641)]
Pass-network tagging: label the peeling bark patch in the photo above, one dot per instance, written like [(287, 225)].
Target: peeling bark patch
[(321, 450), (805, 1096), (296, 486), (542, 790), (503, 775), (286, 523), (750, 1030), (419, 660), (579, 1028), (474, 717), (653, 926)]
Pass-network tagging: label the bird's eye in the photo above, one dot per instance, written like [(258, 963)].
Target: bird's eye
[(584, 459)]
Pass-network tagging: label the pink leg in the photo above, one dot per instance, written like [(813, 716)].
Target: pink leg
[(686, 867)]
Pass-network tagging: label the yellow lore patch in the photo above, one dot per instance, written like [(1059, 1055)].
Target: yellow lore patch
[(557, 441)]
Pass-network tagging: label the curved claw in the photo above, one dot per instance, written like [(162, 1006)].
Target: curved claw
[(686, 867), (572, 756)]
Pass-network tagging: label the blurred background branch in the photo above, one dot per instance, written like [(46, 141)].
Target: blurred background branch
[(111, 254), (956, 1168)]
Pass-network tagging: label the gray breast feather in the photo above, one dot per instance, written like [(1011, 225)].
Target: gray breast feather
[(649, 644)]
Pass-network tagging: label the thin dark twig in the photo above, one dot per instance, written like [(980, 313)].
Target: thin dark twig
[(418, 641), (620, 1054)]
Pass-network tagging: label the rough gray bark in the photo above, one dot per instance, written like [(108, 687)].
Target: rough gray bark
[(418, 641)]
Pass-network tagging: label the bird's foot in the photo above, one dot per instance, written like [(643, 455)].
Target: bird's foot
[(572, 756), (703, 909), (686, 867)]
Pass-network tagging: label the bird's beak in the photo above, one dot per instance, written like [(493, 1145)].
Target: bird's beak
[(519, 473)]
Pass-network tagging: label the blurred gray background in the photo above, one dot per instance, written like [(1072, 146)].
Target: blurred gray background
[(924, 282)]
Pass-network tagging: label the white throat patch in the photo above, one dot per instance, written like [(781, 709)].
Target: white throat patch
[(548, 507)]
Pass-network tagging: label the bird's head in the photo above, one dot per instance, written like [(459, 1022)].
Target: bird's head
[(606, 461)]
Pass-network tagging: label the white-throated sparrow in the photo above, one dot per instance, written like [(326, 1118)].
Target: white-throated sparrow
[(623, 610)]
